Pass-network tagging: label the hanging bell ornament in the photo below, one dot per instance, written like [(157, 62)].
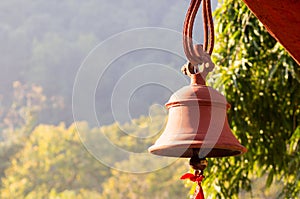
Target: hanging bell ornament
[(197, 120), (197, 113), (197, 125)]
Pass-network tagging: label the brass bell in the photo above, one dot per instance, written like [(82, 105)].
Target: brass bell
[(198, 123)]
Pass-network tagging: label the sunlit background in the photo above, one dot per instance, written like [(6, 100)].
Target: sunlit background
[(52, 147)]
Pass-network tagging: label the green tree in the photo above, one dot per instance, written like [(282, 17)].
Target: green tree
[(163, 183), (18, 119), (54, 164), (262, 84), (53, 160)]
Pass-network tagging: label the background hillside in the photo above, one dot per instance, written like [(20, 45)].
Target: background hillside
[(45, 42), (60, 58)]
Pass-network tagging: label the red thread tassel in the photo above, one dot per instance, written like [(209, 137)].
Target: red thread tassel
[(199, 192), (195, 178)]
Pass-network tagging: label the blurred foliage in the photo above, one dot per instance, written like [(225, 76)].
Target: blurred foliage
[(139, 134), (262, 84), (18, 120), (27, 102), (53, 163), (53, 160), (163, 183)]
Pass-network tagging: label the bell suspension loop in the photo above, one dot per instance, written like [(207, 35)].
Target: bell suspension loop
[(198, 54)]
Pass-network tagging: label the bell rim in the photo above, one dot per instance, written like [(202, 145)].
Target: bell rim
[(229, 147)]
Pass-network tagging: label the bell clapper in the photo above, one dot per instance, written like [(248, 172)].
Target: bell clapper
[(196, 162)]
